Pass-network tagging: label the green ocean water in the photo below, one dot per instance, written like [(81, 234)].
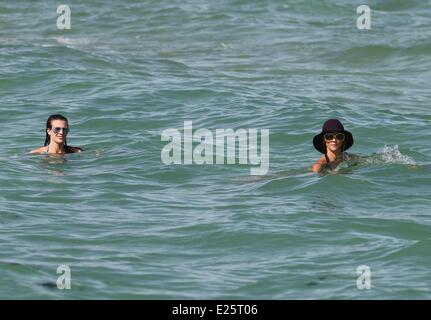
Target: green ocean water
[(131, 227)]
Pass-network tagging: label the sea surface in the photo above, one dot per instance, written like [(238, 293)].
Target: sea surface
[(129, 226)]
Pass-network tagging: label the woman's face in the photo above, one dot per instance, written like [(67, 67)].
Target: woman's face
[(333, 144), (58, 131)]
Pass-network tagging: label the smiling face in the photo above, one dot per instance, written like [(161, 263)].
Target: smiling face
[(58, 131), (334, 141)]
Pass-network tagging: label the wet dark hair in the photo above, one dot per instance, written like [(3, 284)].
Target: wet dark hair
[(51, 118)]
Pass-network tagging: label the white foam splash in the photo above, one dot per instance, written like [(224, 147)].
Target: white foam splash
[(391, 154), (224, 45), (72, 42)]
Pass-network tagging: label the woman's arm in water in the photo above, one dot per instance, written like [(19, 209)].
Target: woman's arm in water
[(76, 149)]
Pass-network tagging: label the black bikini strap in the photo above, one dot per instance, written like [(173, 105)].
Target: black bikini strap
[(327, 159)]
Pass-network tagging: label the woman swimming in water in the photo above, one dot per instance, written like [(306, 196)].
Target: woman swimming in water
[(333, 141), (57, 128)]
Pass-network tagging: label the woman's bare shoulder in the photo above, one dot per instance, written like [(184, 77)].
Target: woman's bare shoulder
[(321, 160), (318, 164), (39, 150)]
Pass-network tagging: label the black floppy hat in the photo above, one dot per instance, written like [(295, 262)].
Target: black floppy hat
[(332, 126)]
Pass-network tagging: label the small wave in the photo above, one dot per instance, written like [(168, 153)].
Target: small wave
[(398, 5), (390, 154), (364, 54), (377, 53)]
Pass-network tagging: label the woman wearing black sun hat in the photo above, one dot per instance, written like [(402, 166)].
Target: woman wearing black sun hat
[(333, 141)]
